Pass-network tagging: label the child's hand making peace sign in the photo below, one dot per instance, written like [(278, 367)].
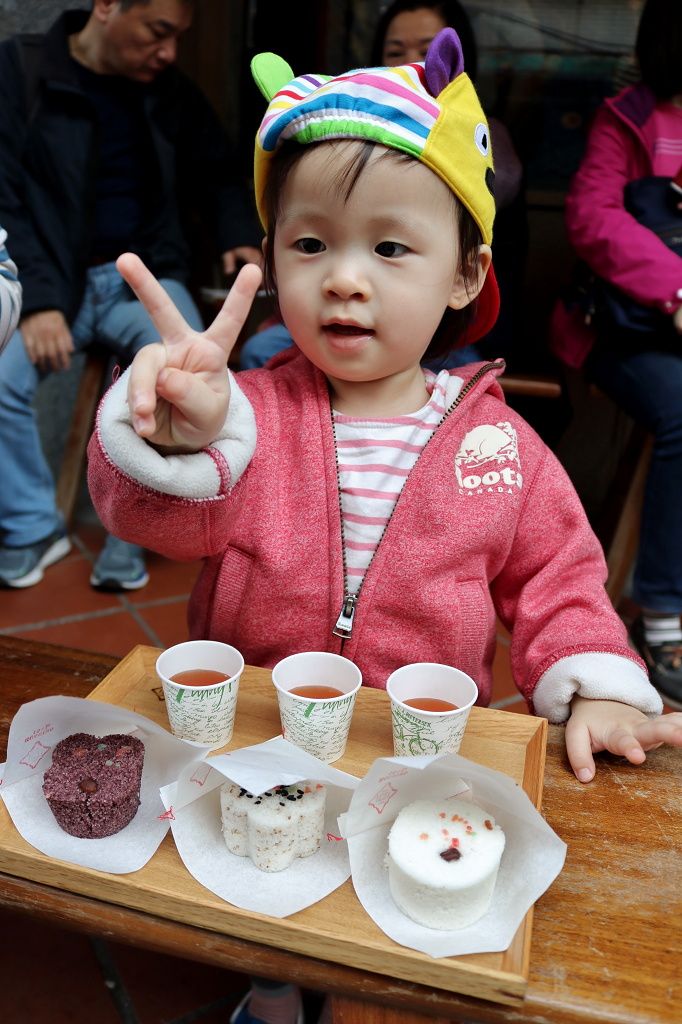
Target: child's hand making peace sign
[(179, 389)]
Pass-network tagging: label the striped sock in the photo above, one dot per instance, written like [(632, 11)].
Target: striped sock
[(274, 1005), (661, 628)]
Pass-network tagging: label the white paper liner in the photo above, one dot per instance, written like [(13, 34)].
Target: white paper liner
[(36, 729), (533, 855), (194, 803)]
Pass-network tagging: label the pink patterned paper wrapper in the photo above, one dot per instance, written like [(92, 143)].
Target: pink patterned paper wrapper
[(194, 806), (533, 855), (35, 731)]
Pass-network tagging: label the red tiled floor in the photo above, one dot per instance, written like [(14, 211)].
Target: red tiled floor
[(92, 537), (163, 988), (111, 634), (501, 631), (503, 682), (48, 975), (168, 621), (166, 579), (64, 590)]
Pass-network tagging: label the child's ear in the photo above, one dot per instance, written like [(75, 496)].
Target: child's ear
[(464, 292)]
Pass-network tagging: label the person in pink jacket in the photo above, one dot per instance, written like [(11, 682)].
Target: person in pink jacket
[(343, 499), (638, 136)]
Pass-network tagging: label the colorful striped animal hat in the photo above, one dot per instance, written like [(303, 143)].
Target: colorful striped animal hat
[(430, 111)]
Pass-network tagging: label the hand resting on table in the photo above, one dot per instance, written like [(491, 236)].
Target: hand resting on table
[(179, 389), (597, 725)]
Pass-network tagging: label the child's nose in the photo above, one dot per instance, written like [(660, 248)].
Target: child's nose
[(347, 281)]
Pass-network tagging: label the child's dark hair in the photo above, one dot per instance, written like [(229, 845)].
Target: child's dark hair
[(452, 330), (659, 47)]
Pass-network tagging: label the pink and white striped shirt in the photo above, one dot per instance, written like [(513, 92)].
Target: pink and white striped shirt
[(375, 457)]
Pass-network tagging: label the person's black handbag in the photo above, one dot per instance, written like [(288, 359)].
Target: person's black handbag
[(653, 202)]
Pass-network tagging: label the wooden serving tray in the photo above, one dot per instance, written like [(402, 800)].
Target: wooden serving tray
[(337, 928)]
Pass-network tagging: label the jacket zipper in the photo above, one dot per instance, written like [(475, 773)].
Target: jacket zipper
[(344, 623)]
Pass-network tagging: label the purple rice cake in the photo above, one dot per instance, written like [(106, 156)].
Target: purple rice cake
[(93, 786)]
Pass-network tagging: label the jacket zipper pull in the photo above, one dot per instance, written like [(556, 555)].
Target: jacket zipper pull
[(344, 623)]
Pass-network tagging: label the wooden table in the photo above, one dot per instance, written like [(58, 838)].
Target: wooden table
[(607, 937)]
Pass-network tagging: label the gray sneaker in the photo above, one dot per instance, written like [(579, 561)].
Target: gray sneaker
[(24, 567), (120, 566)]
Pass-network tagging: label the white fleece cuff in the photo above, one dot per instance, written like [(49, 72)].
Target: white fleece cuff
[(184, 476), (597, 676)]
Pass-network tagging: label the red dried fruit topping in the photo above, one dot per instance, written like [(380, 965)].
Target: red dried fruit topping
[(308, 789), (318, 786), (79, 752), (441, 815), (424, 835), (455, 841), (88, 786), (445, 832), (488, 825), (123, 750), (452, 853)]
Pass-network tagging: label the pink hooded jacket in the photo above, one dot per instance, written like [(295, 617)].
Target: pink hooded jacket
[(610, 240), (487, 522)]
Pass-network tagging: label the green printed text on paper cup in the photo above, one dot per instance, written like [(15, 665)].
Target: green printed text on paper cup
[(321, 727), (201, 713), (413, 736), (417, 731)]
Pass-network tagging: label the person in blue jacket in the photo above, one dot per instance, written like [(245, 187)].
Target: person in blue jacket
[(10, 294)]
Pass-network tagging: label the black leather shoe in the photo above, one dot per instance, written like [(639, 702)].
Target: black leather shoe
[(664, 662)]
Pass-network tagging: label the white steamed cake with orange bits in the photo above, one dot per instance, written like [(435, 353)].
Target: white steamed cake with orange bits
[(443, 858)]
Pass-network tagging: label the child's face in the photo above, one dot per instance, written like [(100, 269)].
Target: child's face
[(363, 284)]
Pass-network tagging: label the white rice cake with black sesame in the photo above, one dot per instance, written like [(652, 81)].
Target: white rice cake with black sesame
[(276, 827), (234, 817), (443, 858)]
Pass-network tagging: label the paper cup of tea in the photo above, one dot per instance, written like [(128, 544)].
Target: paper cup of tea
[(318, 718), (417, 730), (200, 683)]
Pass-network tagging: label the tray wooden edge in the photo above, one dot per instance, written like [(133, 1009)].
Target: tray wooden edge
[(139, 659), (516, 959), (506, 986), (465, 978)]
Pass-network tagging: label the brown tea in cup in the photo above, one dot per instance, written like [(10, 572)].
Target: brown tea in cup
[(430, 704), (316, 691), (199, 677)]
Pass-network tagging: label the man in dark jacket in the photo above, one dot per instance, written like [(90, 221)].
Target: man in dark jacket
[(101, 139)]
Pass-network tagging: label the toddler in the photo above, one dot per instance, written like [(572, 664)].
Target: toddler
[(343, 498)]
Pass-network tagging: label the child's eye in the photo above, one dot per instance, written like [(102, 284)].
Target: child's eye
[(390, 249), (310, 245)]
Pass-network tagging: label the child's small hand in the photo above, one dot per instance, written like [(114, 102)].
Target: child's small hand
[(597, 725), (179, 390)]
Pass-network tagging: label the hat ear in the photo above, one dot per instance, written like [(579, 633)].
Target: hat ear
[(444, 61), (270, 73)]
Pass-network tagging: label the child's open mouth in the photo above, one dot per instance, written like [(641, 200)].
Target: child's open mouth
[(347, 335)]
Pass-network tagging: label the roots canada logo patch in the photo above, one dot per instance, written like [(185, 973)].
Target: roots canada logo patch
[(488, 461)]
